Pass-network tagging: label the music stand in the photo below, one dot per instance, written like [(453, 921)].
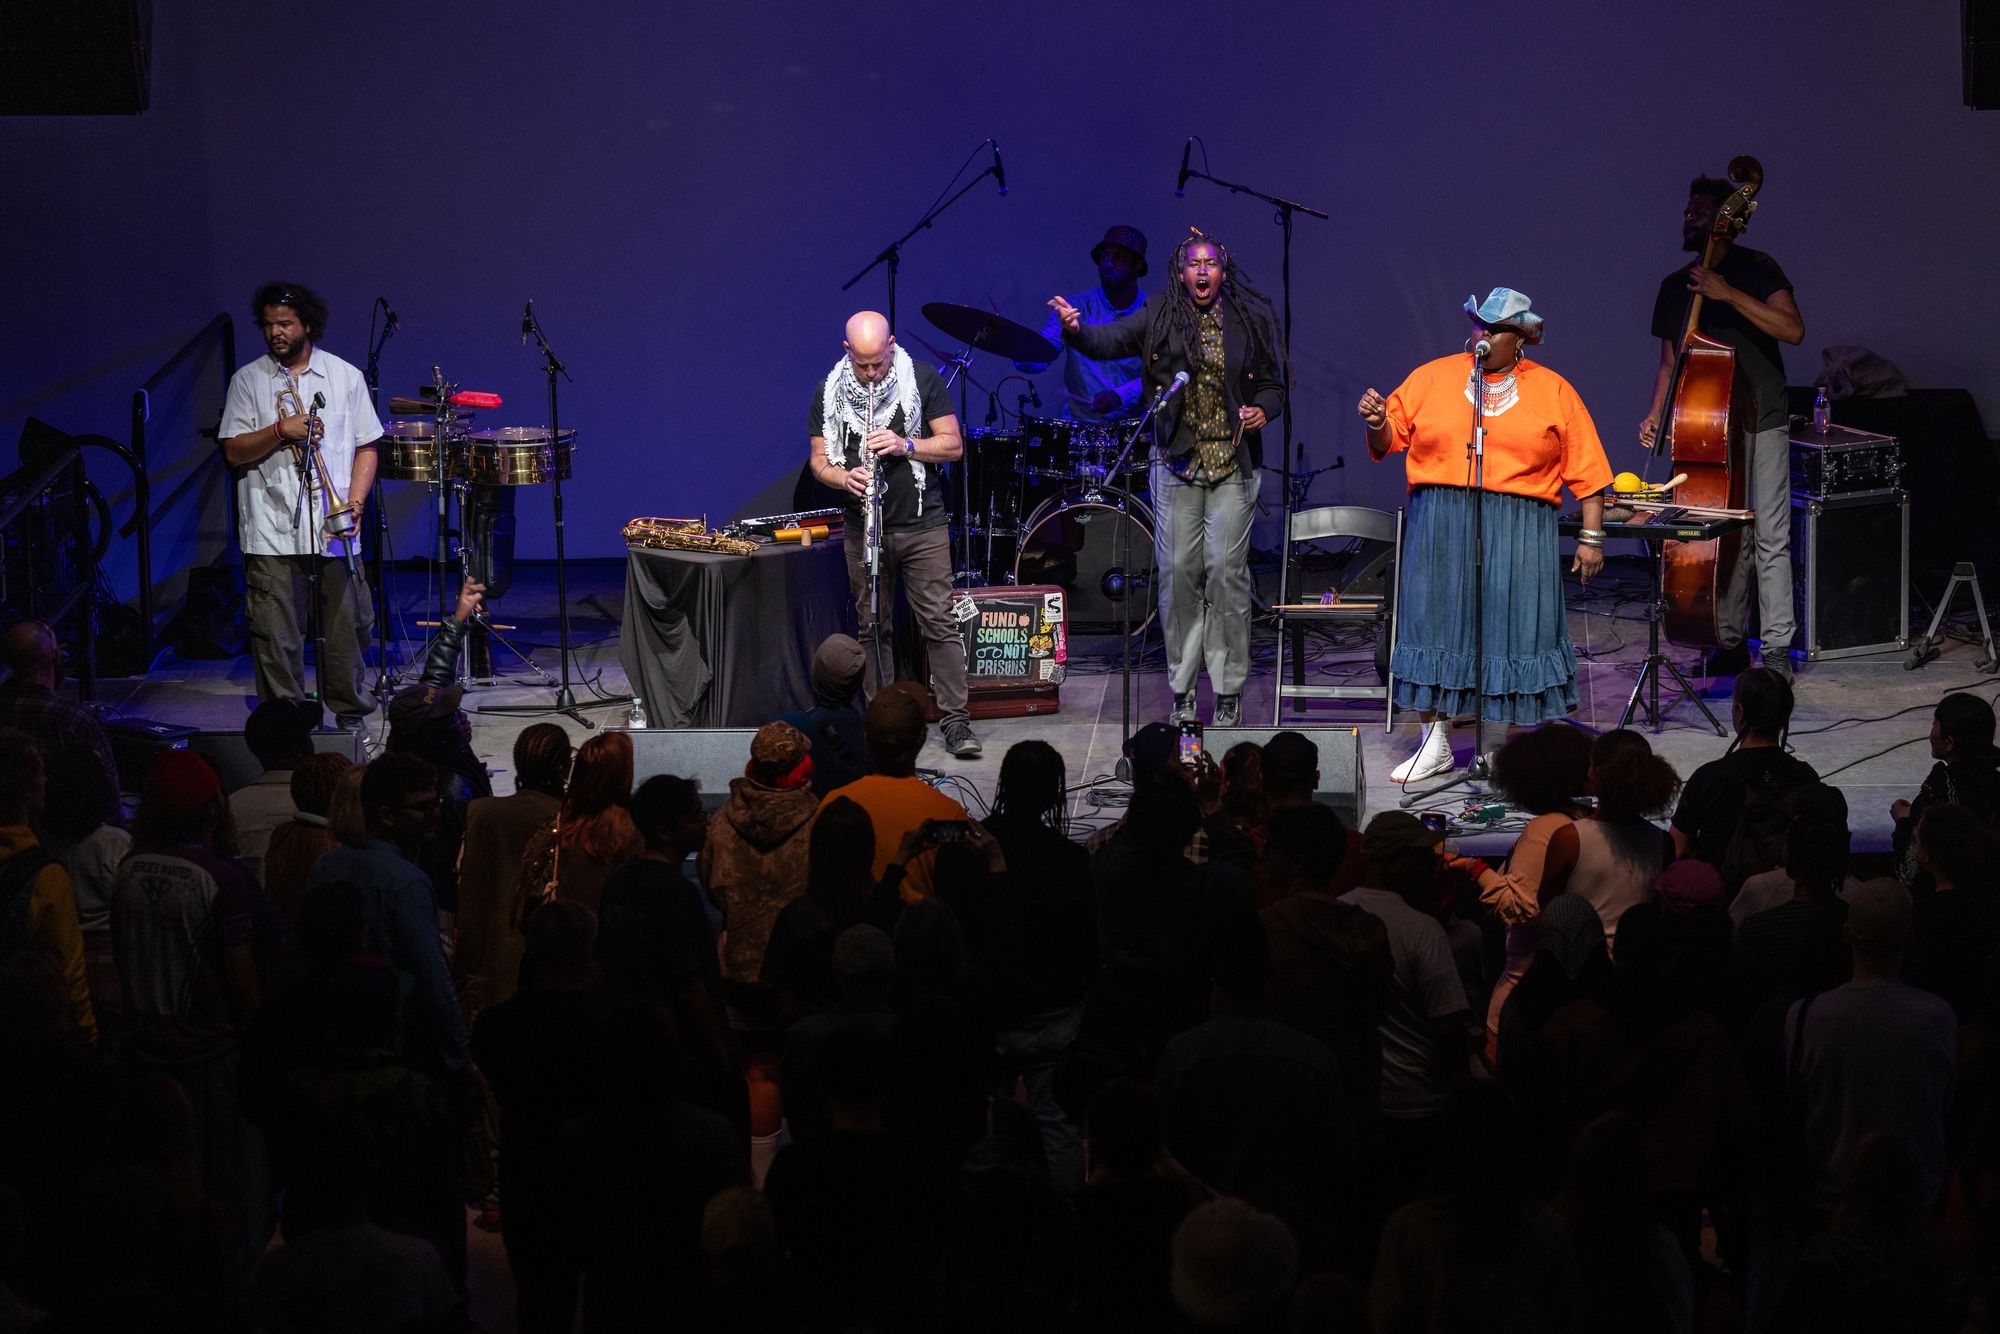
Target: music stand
[(1667, 525)]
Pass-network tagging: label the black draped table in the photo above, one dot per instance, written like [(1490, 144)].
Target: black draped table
[(727, 641)]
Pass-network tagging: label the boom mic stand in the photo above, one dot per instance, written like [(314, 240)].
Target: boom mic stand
[(565, 702), (892, 254), (1287, 209), (1475, 771), (1124, 558)]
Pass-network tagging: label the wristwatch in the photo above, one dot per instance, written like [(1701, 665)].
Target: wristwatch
[(909, 447)]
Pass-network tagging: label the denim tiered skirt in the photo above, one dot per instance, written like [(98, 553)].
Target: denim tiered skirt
[(1527, 665)]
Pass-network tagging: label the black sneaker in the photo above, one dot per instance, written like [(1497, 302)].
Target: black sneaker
[(961, 741), (1228, 711), (1732, 661), (1781, 663)]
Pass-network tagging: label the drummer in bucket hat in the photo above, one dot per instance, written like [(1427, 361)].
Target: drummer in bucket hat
[(1100, 391)]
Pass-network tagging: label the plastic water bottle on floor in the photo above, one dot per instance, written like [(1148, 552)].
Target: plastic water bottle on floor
[(1822, 411), (635, 720)]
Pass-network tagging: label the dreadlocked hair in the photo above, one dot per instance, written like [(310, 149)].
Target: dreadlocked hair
[(1252, 309)]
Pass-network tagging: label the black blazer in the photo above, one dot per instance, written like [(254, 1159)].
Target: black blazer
[(1245, 383)]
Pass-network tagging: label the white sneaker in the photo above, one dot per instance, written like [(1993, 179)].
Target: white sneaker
[(1433, 756)]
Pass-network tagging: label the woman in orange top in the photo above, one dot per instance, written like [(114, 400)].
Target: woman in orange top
[(1539, 439)]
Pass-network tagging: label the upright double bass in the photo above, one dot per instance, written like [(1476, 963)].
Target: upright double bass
[(1706, 424)]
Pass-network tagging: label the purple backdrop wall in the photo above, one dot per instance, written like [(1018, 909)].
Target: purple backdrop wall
[(682, 189)]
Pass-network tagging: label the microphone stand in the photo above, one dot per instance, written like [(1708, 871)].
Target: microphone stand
[(385, 681), (1287, 208), (565, 702), (1475, 771), (1124, 558), (892, 254), (304, 508)]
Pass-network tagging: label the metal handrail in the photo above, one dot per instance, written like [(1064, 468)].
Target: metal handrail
[(140, 522), (70, 461)]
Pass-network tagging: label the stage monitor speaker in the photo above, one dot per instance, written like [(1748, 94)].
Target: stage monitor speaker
[(1342, 784), (1851, 574), (711, 756), (75, 57), (1980, 29), (137, 742)]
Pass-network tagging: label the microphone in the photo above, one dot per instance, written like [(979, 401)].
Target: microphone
[(390, 323), (1034, 397), (1481, 348), (1180, 383), (1180, 186), (992, 407), (527, 321), (999, 172), (319, 401)]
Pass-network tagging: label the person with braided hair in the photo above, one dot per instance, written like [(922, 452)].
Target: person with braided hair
[(1222, 335)]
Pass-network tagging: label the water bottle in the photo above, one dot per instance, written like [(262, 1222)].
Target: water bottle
[(635, 720), (1822, 412)]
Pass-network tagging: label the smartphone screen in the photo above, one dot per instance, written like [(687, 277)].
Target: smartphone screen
[(950, 831), (1434, 821), (1190, 744)]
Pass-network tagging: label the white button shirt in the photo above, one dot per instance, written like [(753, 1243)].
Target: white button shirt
[(267, 491)]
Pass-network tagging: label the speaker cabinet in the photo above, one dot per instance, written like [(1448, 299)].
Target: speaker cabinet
[(1851, 574), (75, 57), (711, 756), (1980, 28), (1342, 784), (137, 742)]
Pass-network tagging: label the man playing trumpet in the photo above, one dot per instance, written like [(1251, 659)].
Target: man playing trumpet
[(299, 500)]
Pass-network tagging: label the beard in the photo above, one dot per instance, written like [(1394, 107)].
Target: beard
[(1692, 241)]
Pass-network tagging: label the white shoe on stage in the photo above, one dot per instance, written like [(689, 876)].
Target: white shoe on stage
[(1433, 756)]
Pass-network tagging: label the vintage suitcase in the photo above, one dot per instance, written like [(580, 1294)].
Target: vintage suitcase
[(1016, 648), (1851, 574), (1840, 461)]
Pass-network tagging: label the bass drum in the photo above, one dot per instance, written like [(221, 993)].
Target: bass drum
[(1098, 547)]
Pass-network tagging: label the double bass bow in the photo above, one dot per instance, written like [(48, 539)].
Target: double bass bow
[(1705, 424)]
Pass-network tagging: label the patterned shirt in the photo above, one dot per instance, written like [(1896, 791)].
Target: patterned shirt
[(1208, 407)]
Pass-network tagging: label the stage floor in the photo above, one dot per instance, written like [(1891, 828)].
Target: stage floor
[(1867, 717)]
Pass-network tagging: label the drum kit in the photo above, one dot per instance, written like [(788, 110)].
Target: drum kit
[(472, 469), (1044, 501)]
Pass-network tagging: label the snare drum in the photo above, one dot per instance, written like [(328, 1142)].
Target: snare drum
[(518, 456), (408, 452)]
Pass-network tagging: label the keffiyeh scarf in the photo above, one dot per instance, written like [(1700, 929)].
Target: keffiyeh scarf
[(844, 400)]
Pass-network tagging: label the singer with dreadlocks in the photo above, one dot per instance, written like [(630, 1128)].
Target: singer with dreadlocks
[(911, 431), (1223, 334)]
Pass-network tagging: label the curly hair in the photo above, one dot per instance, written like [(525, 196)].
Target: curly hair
[(1175, 310), (1628, 779), (307, 304), (1545, 770)]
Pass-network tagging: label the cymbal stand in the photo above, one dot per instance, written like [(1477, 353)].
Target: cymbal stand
[(443, 429), (565, 701), (892, 254), (385, 680), (960, 363)]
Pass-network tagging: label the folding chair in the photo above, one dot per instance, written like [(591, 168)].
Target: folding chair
[(1332, 523)]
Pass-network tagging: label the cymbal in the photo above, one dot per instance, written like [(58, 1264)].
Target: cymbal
[(987, 332)]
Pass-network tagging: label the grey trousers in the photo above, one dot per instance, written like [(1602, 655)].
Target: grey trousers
[(1203, 549), (277, 595), (1767, 550), (921, 558)]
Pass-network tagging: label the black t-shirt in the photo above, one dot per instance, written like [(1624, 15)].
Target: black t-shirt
[(899, 501), (1712, 800), (1757, 354)]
